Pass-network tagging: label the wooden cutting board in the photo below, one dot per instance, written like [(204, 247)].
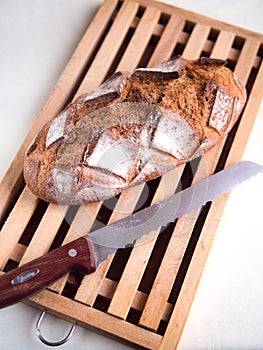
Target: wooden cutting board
[(142, 295)]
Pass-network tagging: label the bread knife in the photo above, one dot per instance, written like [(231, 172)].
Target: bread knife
[(86, 253)]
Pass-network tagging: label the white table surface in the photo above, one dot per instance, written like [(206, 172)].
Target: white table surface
[(36, 40)]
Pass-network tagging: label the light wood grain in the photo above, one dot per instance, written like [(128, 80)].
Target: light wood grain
[(140, 39), (95, 56), (109, 48), (223, 45), (16, 223), (196, 41), (44, 234), (167, 42)]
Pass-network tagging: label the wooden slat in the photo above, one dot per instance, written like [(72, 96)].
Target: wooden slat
[(248, 119), (166, 44), (83, 220), (252, 106), (246, 59), (15, 224), (131, 277), (196, 41), (109, 47), (140, 39), (223, 45), (155, 305), (45, 232), (124, 16), (18, 252)]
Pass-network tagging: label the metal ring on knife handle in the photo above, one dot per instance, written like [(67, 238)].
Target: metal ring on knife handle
[(47, 342)]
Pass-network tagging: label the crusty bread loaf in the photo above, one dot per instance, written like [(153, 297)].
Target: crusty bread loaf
[(133, 128)]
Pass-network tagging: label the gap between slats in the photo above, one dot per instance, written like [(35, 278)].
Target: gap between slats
[(196, 41), (253, 104), (16, 224), (44, 234), (140, 40), (166, 44), (109, 47)]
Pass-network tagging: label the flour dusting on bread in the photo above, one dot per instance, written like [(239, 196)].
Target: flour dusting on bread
[(133, 128)]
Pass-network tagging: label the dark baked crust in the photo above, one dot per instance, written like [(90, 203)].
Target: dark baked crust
[(133, 128)]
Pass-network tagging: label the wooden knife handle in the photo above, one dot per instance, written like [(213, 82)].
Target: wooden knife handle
[(24, 281)]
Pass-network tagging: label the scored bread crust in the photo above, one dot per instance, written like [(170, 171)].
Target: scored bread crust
[(133, 128)]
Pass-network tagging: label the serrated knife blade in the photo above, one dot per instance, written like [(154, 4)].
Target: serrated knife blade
[(128, 230), (86, 253)]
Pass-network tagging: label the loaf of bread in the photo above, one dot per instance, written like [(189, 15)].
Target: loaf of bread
[(133, 128)]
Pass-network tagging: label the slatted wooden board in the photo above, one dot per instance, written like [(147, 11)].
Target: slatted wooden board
[(142, 295)]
